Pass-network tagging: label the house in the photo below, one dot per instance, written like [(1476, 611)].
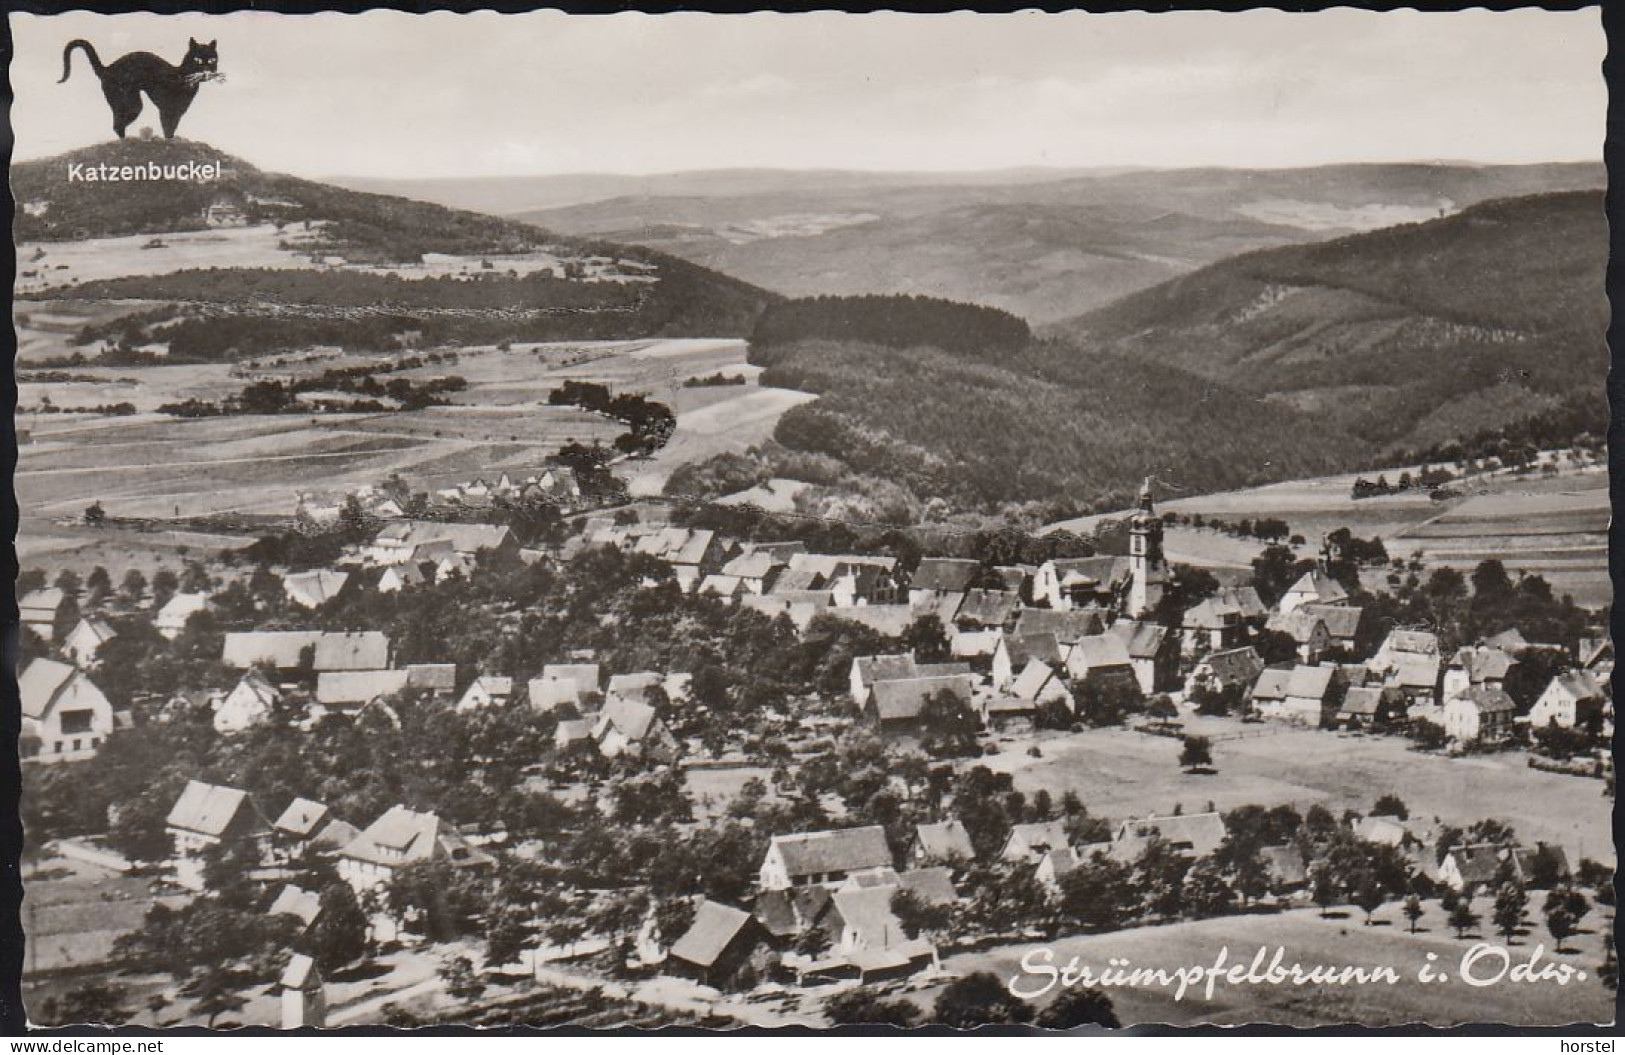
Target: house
[(1101, 661), (249, 704), (1220, 670), (1474, 867), (789, 912), (1054, 866), (866, 670), (272, 649), (896, 705), (1402, 642), (65, 716), (1386, 831), (1476, 666), (435, 678), (632, 728), (312, 589), (1414, 674), (801, 607), (307, 826), (861, 924), (1267, 697), (941, 576), (987, 609), (1342, 622), (396, 543), (1596, 654), (1029, 842), (1014, 652), (754, 567), (398, 577), (401, 837), (304, 1003), (639, 687), (351, 690), (1510, 641), (1038, 683), (943, 842), (359, 650), (206, 816), (1192, 835), (486, 691), (887, 620), (1314, 587), (1066, 626), (40, 609), (1284, 869), (85, 640), (1214, 623), (975, 646), (726, 587), (1306, 629), (304, 905), (572, 731), (940, 606), (1481, 713), (1081, 582), (823, 858), (1573, 698), (717, 946), (1153, 653), (1371, 707), (559, 683), (1309, 695), (171, 618)]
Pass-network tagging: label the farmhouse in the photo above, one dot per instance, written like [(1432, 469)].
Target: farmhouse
[(897, 705), (717, 946), (1306, 629), (753, 568), (396, 543), (866, 932), (1038, 683), (304, 905), (486, 691), (988, 609), (249, 704), (39, 611), (1015, 652), (1220, 670), (1573, 698), (172, 617), (560, 683), (1401, 642), (1342, 622), (801, 607), (1081, 582), (312, 589), (85, 640), (65, 716), (360, 650), (823, 858), (866, 670), (944, 842), (1310, 696), (941, 576), (1315, 587), (1101, 660), (307, 826), (1481, 713), (1190, 834), (206, 816), (1029, 842), (631, 728), (1153, 653), (1213, 623), (1267, 697), (1371, 707), (888, 620), (1067, 627), (401, 837), (1476, 666), (350, 690)]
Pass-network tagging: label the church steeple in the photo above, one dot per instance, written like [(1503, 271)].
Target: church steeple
[(1148, 570)]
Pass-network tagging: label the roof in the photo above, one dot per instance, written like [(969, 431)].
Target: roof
[(1236, 665), (1142, 640), (1032, 679), (1483, 664), (493, 685), (404, 835), (180, 608), (312, 589), (944, 840), (944, 574), (40, 685), (1041, 834), (438, 676), (301, 973), (464, 538), (584, 676), (1479, 863), (1310, 682), (1245, 599), (1579, 684), (358, 686), (867, 911), (966, 644), (1067, 626), (840, 850), (784, 912), (871, 669), (1510, 640), (752, 564), (941, 605), (572, 730), (208, 809), (988, 607), (99, 631), (1024, 647), (892, 620), (1423, 642), (359, 650), (825, 563), (714, 928), (1272, 683), (1317, 582), (1210, 614), (1104, 570), (1284, 864), (1364, 702), (1342, 621), (903, 699), (1415, 670), (302, 817), (1200, 833), (1097, 651), (271, 648), (1489, 700), (934, 886), (296, 901), (1299, 624), (41, 604), (630, 718)]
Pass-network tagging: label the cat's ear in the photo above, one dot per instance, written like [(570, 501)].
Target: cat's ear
[(212, 43), (191, 42)]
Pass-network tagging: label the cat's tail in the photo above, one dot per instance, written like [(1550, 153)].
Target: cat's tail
[(90, 53)]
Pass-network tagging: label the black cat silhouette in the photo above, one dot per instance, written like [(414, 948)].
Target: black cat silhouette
[(171, 88)]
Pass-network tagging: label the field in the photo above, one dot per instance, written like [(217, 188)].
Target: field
[(1120, 773), (1553, 524), (1338, 941), (150, 465)]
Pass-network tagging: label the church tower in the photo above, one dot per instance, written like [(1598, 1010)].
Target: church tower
[(1148, 570)]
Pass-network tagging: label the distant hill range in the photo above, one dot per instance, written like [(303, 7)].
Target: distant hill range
[(558, 286), (1404, 338), (1044, 244)]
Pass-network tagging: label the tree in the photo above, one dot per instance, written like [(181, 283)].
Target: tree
[(95, 515), (133, 586), (1081, 1006), (1197, 753), (1390, 805), (1564, 908), (1206, 893), (1368, 895), (88, 1003), (861, 1007), (1323, 888), (218, 996), (1413, 910), (462, 982), (673, 917), (1162, 709), (813, 942), (339, 935), (1463, 918), (507, 935), (980, 999), (948, 727), (1510, 902), (1560, 924), (918, 916)]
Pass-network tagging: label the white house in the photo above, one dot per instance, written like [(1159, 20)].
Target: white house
[(38, 610), (312, 589), (65, 716), (248, 704), (486, 691), (401, 837), (826, 858), (1314, 587), (206, 816), (85, 640), (172, 617), (1480, 713), (1571, 699), (1029, 842)]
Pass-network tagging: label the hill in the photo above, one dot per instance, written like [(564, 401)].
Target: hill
[(1043, 248), (1406, 338), (285, 251)]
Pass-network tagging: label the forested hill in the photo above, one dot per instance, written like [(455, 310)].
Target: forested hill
[(592, 289), (1406, 338), (988, 419)]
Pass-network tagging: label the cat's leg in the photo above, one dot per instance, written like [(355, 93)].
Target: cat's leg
[(125, 103), (170, 112)]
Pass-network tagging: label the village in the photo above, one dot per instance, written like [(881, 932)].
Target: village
[(726, 779)]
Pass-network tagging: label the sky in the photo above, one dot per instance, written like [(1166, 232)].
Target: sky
[(413, 96)]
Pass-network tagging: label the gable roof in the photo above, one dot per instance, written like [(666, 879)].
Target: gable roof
[(714, 928), (1415, 670), (1298, 624), (1310, 682), (944, 840), (1142, 640), (340, 687), (41, 684), (98, 631), (1483, 664), (1199, 833), (441, 677), (272, 648), (1489, 700), (1323, 586), (1022, 648), (837, 850), (300, 974), (211, 809), (988, 607), (181, 607), (972, 644), (944, 574), (891, 620), (464, 538), (1272, 683), (867, 912), (787, 911), (296, 901), (404, 835), (630, 718), (1342, 620), (1031, 681), (941, 605), (1105, 570), (904, 698), (1580, 685), (1098, 651), (1236, 666), (1067, 625), (1040, 834), (1423, 642), (934, 886), (1479, 863), (360, 650), (302, 817), (312, 589), (1363, 701)]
